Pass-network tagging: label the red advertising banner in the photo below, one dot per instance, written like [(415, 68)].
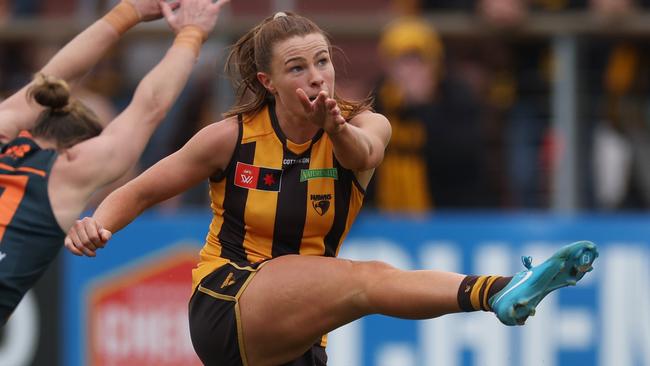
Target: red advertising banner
[(138, 316)]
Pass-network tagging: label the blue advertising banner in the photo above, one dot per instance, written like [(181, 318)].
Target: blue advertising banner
[(603, 321)]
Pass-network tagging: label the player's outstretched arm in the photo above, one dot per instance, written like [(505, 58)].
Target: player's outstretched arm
[(76, 58), (119, 146), (207, 152)]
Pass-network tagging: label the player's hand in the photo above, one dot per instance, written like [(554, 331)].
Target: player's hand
[(199, 13), (322, 111), (86, 236), (151, 9)]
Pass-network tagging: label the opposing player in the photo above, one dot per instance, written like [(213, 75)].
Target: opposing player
[(49, 171)]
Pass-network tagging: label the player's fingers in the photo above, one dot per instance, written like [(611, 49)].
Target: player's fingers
[(174, 5), (77, 242), (70, 246), (304, 100), (92, 229), (330, 103), (84, 240), (105, 236), (168, 13), (321, 98), (86, 245)]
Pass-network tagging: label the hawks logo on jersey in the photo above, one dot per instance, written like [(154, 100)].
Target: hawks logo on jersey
[(321, 203)]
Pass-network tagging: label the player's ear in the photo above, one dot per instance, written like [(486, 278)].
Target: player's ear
[(267, 83)]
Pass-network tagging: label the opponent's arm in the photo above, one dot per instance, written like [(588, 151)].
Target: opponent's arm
[(76, 58), (119, 146)]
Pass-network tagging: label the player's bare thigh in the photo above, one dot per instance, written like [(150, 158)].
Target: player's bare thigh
[(294, 300)]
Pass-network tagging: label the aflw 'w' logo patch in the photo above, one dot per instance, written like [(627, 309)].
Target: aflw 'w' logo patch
[(321, 202), (257, 177)]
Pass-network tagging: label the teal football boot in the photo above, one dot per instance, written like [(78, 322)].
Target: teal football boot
[(518, 300)]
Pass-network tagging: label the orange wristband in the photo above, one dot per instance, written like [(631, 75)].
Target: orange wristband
[(191, 37), (122, 17)]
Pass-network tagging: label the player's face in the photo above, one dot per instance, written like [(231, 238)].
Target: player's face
[(300, 62)]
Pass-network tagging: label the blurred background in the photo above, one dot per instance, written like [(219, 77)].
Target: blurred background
[(518, 126)]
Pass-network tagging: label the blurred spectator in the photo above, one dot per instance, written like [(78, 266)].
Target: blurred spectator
[(622, 137), (26, 8), (5, 10), (18, 9), (15, 64), (435, 154), (429, 5), (502, 13), (500, 10), (528, 137), (519, 75), (611, 9), (523, 76), (558, 5)]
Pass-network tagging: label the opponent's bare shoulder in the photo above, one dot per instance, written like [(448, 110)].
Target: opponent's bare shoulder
[(215, 143)]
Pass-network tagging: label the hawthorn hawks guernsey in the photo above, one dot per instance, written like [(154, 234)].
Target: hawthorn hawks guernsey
[(277, 197)]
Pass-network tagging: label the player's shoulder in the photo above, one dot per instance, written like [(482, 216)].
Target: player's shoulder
[(214, 144), (215, 141), (368, 116), (219, 132)]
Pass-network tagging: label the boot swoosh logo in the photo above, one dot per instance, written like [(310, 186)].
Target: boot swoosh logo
[(524, 279)]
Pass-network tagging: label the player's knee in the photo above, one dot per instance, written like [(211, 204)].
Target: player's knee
[(372, 271), (371, 275), (377, 268)]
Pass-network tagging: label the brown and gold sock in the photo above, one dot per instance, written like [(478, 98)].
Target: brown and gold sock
[(475, 291)]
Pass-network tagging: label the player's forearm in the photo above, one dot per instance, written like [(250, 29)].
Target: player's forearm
[(353, 149), (160, 88), (77, 57), (120, 208), (72, 62)]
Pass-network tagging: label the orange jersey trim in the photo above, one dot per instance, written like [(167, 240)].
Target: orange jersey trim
[(26, 169)]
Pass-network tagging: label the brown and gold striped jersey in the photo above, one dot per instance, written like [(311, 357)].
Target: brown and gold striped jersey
[(277, 197)]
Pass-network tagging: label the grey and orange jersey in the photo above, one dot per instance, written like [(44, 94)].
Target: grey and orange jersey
[(30, 236)]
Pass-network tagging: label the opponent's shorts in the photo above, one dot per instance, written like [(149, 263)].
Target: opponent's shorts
[(215, 322)]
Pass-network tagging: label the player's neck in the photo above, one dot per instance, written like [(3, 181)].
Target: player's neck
[(296, 129), (45, 143)]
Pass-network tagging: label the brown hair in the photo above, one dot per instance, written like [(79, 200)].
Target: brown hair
[(65, 121), (252, 53)]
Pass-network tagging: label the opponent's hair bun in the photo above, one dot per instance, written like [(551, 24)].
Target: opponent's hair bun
[(50, 92)]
